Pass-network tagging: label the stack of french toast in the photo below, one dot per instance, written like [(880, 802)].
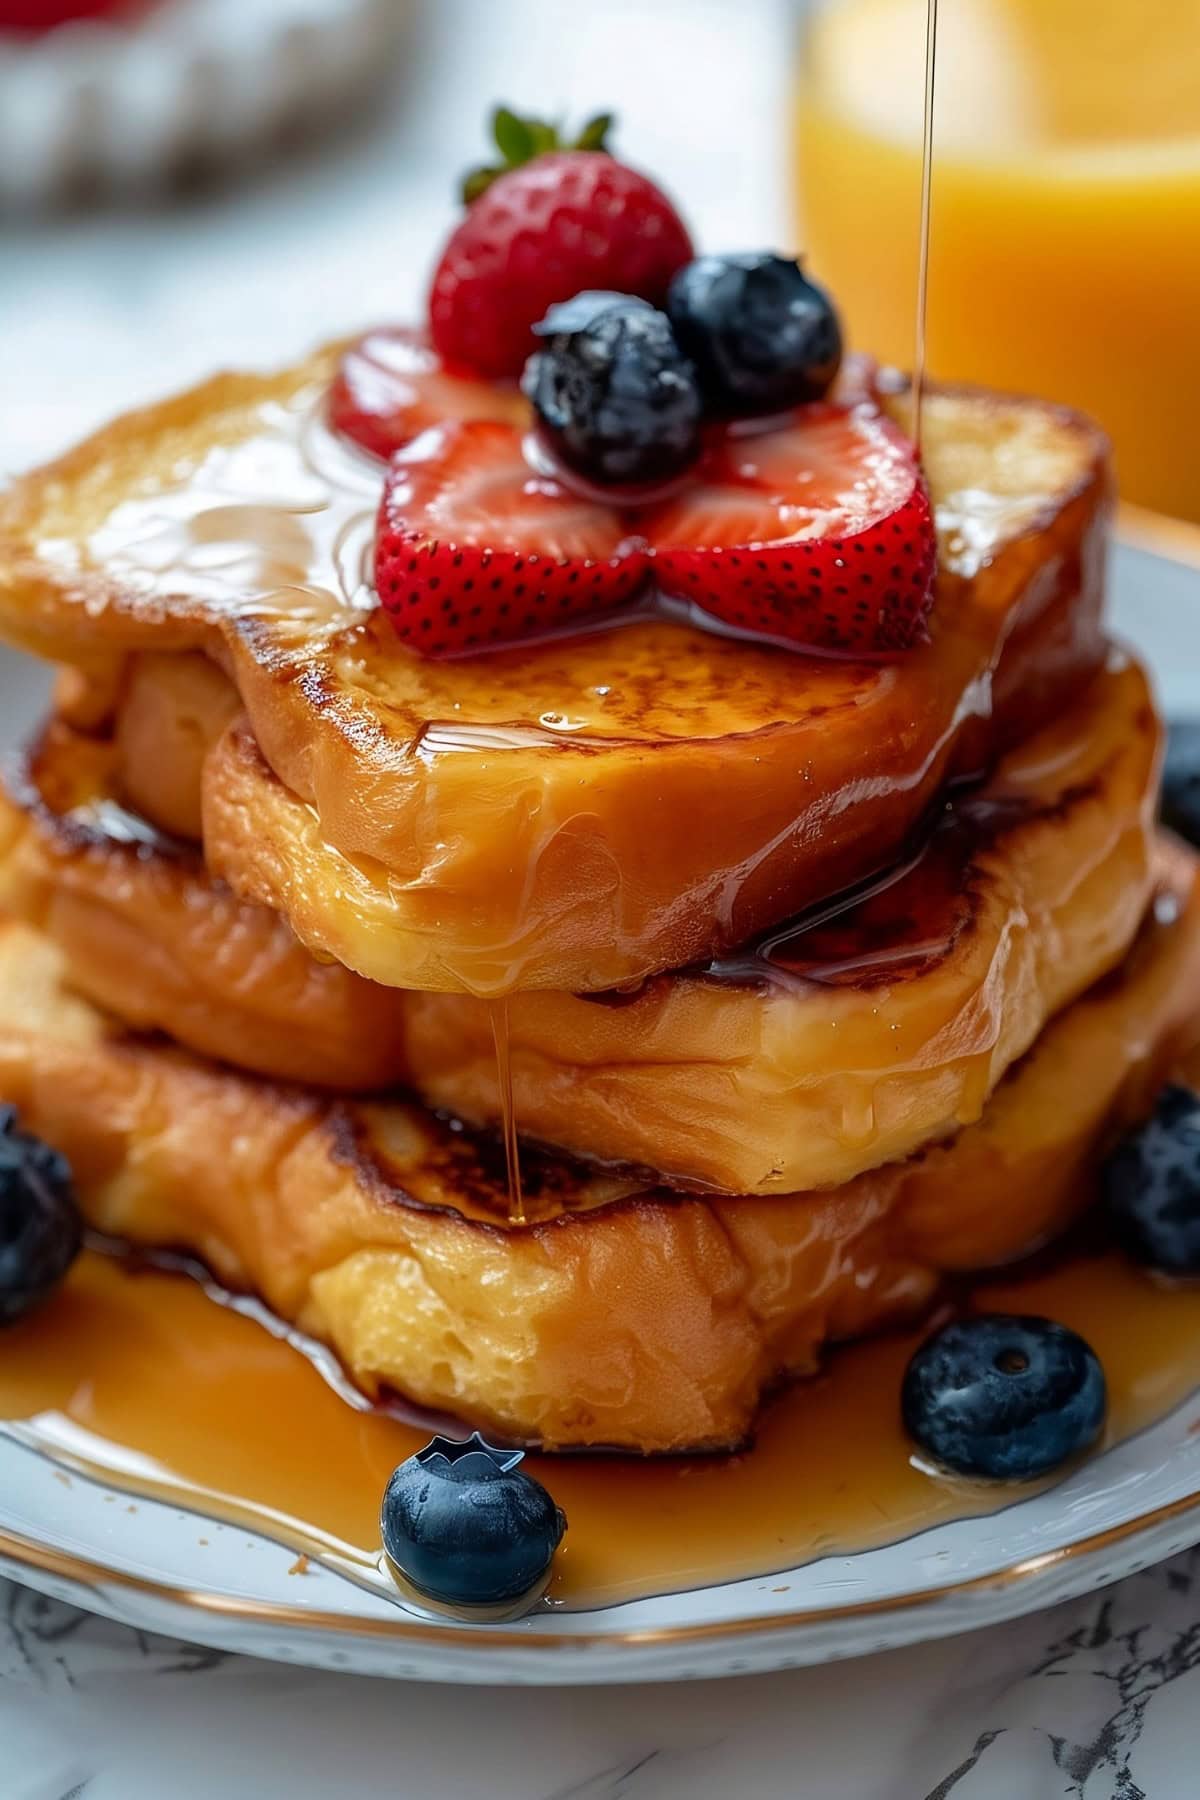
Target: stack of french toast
[(809, 980)]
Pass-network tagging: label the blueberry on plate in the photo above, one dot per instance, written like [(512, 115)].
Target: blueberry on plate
[(465, 1527), (1181, 781), (761, 334), (40, 1227), (1151, 1185), (1004, 1396), (615, 397)]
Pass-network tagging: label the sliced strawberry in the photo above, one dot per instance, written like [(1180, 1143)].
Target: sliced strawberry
[(391, 386), (817, 532), (475, 546)]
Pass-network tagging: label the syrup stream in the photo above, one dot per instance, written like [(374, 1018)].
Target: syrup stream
[(931, 12), (512, 1150)]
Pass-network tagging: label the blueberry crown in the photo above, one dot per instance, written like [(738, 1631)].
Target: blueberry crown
[(465, 1459)]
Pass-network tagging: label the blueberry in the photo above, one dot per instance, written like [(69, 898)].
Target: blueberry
[(1181, 781), (465, 1527), (615, 396), (1003, 1396), (40, 1228), (762, 335), (1151, 1186)]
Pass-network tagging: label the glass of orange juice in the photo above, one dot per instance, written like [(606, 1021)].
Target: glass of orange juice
[(1065, 225)]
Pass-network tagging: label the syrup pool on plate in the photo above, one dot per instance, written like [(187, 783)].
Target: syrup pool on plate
[(139, 1378)]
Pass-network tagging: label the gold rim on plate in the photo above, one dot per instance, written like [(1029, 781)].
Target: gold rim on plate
[(27, 1553)]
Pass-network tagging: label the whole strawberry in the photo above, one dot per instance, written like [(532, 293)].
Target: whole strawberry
[(551, 221)]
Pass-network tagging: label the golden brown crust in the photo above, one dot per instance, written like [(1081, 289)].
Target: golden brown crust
[(48, 583), (171, 710), (151, 937), (748, 1084), (620, 1316), (561, 855), (761, 1083), (770, 1087)]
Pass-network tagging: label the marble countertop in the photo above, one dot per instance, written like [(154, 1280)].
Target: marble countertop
[(1094, 1700)]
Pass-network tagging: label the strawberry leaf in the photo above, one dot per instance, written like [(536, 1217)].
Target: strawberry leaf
[(477, 182), (514, 136), (594, 133), (520, 139), (545, 136)]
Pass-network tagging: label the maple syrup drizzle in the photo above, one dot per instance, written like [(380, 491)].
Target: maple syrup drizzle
[(894, 926), (931, 13), (498, 1010), (140, 1378)]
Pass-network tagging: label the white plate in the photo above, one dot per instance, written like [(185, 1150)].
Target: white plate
[(1136, 1503)]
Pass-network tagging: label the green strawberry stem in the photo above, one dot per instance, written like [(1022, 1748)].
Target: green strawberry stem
[(520, 139)]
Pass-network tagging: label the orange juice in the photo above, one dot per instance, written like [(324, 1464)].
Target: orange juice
[(1065, 247)]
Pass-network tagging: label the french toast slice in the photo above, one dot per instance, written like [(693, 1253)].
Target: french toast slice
[(864, 1033), (844, 1045), (149, 935), (167, 714), (620, 1315), (850, 1041), (580, 813)]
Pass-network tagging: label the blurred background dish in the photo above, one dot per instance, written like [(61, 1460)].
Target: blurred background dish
[(1065, 247), (100, 97)]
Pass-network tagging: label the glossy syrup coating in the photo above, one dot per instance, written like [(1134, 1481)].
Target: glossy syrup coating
[(531, 813), (148, 935), (802, 1059), (479, 546), (619, 1314), (857, 1033), (391, 385), (205, 1396)]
